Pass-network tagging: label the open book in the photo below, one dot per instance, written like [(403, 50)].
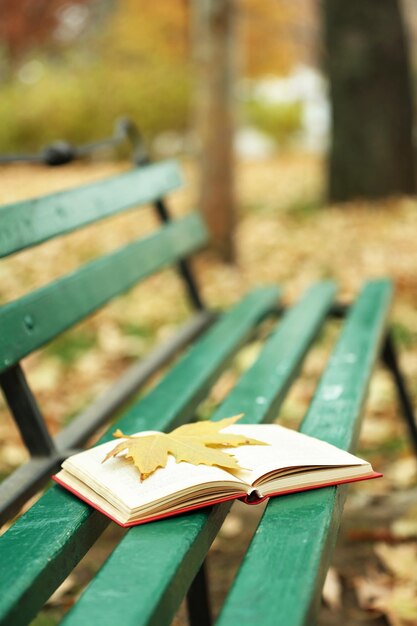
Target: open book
[(290, 462)]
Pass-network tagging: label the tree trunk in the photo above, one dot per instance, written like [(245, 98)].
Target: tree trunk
[(372, 152), (214, 52)]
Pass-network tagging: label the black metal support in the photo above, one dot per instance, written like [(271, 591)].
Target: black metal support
[(336, 311), (198, 604), (141, 157), (17, 488), (26, 412), (339, 310), (105, 406), (390, 359), (61, 152), (183, 265)]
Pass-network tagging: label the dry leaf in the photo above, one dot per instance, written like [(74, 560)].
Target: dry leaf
[(376, 431), (398, 602), (223, 386), (232, 527), (399, 606), (405, 527), (194, 443), (370, 590), (400, 560), (65, 588), (332, 590), (402, 473), (394, 595)]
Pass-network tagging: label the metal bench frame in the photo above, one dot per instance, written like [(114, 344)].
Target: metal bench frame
[(47, 453)]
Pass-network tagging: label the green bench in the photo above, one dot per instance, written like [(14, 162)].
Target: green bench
[(154, 566)]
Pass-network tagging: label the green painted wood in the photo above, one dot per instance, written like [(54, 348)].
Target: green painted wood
[(46, 543), (283, 572), (151, 589), (143, 597), (28, 323), (30, 222)]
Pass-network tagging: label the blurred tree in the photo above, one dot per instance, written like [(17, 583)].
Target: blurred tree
[(372, 152), (270, 33), (214, 51)]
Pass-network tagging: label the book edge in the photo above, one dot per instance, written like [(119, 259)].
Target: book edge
[(245, 499), (151, 518), (333, 483)]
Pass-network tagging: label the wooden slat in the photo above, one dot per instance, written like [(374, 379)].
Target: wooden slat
[(284, 569), (46, 543), (30, 222), (150, 589), (28, 323), (30, 477)]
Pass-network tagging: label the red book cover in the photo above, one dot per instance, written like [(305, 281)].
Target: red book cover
[(247, 499)]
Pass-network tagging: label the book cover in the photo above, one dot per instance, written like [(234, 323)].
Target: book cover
[(289, 462)]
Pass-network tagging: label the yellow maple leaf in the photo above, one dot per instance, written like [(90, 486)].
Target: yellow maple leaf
[(196, 443)]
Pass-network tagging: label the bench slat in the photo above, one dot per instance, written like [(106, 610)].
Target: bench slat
[(157, 562), (284, 569), (46, 543), (28, 323), (30, 477), (30, 222)]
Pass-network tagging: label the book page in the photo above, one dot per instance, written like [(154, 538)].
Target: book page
[(119, 480), (288, 449)]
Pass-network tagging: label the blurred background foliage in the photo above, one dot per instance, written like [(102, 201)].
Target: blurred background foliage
[(280, 122), (134, 64), (87, 62)]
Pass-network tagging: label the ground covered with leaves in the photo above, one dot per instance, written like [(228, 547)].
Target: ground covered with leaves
[(286, 235)]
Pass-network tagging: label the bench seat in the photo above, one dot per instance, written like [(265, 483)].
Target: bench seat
[(280, 580), (154, 566)]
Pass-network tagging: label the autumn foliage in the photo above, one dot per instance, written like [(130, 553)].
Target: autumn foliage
[(273, 31), (130, 57), (26, 25), (197, 443)]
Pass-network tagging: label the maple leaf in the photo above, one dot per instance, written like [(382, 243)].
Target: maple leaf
[(197, 444)]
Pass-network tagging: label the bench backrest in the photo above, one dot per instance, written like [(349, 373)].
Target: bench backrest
[(31, 321), (28, 323)]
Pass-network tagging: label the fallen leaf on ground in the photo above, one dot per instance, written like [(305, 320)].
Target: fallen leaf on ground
[(332, 590), (399, 605), (66, 587), (405, 527), (194, 443), (393, 594), (232, 527), (400, 560), (223, 386), (370, 589), (402, 473), (376, 431)]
